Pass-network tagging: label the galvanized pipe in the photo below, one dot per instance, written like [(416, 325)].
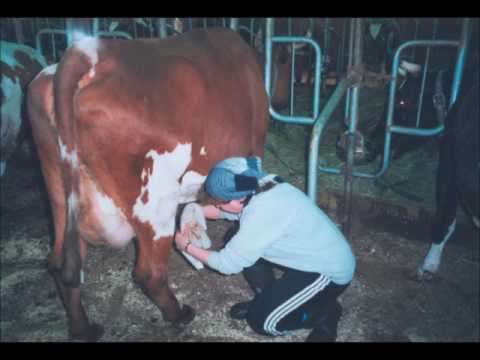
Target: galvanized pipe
[(268, 55), (424, 75), (461, 57), (326, 37), (292, 81), (316, 88), (162, 28), (350, 143), (391, 100), (18, 28), (316, 135), (392, 128), (95, 26), (350, 63), (234, 24)]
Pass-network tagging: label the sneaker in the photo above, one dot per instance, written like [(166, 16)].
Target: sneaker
[(325, 329), (239, 311)]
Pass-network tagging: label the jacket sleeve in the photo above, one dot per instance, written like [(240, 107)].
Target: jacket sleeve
[(259, 227)]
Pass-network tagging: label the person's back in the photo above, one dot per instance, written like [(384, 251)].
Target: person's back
[(299, 235)]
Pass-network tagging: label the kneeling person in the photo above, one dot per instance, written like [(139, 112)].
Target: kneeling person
[(279, 226)]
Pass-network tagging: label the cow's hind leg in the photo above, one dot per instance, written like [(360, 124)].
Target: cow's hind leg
[(151, 274), (40, 104), (79, 326)]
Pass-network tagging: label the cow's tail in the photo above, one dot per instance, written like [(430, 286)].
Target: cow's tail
[(74, 65)]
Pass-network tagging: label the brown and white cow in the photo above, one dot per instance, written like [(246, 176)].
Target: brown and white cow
[(128, 129), (19, 65)]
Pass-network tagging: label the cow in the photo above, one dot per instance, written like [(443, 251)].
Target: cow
[(437, 92), (281, 53), (382, 37), (457, 178), (126, 130), (19, 65)]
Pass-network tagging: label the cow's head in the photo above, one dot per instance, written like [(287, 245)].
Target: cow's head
[(382, 37)]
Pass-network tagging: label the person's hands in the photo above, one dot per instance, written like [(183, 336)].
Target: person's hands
[(190, 232), (181, 241)]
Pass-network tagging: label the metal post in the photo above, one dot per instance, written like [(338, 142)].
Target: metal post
[(162, 28), (341, 55), (234, 24), (326, 37), (268, 54), (69, 28), (348, 180), (417, 22), (95, 26), (461, 57), (424, 76), (316, 135), (17, 24), (292, 71), (350, 63)]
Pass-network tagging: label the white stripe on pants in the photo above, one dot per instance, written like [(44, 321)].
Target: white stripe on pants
[(293, 303)]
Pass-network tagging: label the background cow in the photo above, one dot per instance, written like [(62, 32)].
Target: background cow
[(127, 130), (19, 65), (434, 106), (458, 170), (382, 37)]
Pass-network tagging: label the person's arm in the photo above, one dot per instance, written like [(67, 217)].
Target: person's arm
[(211, 212)]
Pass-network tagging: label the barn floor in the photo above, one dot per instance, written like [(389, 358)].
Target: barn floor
[(384, 302)]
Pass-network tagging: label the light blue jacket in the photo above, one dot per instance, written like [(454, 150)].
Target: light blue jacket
[(283, 226)]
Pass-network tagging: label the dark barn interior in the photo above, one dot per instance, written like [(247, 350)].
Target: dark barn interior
[(391, 215)]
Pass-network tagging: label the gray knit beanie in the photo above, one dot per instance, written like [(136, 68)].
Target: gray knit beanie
[(237, 177)]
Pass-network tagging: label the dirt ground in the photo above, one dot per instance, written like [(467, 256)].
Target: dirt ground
[(384, 303)]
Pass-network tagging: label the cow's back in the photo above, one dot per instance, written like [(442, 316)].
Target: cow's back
[(203, 87)]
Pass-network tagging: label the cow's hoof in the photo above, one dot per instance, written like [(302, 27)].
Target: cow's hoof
[(187, 314), (93, 334)]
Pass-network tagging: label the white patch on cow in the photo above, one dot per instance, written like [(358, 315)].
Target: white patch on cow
[(144, 174), (203, 151), (191, 184), (402, 71), (409, 67), (89, 46), (434, 256), (49, 70), (71, 158), (163, 190), (116, 228), (91, 73), (10, 113), (72, 202)]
